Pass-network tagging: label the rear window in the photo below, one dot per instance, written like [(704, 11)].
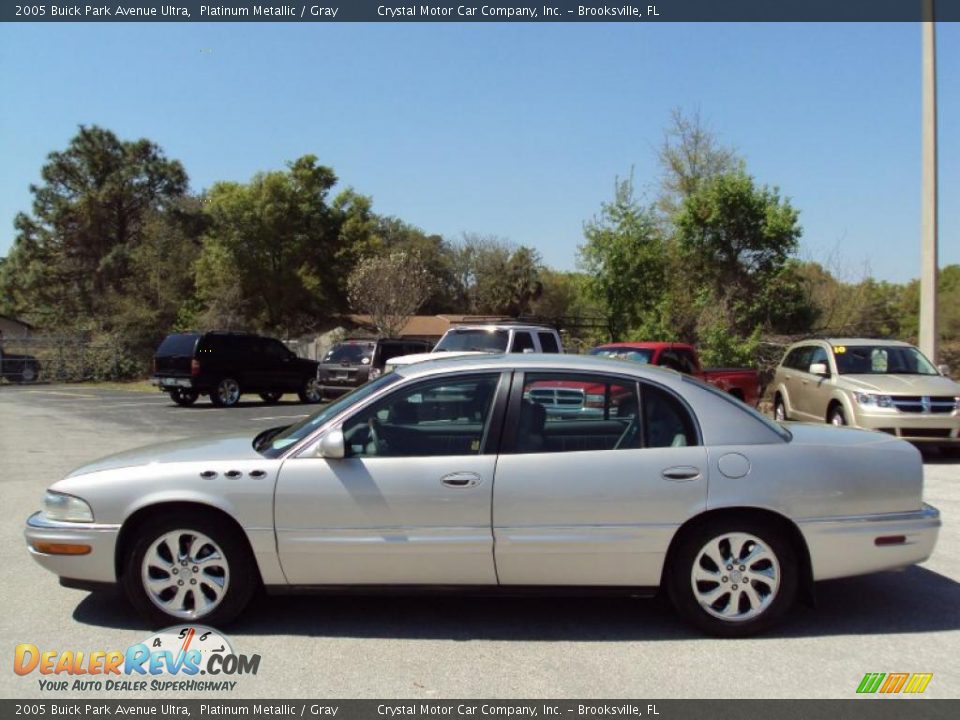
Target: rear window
[(180, 344)]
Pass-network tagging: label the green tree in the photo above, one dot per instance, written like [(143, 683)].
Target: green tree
[(736, 239), (73, 254), (276, 243), (624, 257), (391, 288), (493, 277)]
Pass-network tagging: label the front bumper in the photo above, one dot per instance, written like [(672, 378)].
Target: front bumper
[(937, 428), (97, 566), (846, 546)]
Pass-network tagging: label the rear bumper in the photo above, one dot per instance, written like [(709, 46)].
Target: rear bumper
[(842, 547), (172, 383), (97, 566)]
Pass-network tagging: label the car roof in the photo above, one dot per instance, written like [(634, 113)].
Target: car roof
[(854, 342), (539, 361), (501, 326)]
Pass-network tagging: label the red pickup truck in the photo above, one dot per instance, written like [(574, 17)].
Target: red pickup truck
[(742, 383)]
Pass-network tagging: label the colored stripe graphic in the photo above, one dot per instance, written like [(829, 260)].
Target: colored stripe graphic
[(893, 683)]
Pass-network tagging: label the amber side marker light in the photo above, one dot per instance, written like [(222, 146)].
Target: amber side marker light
[(890, 540), (52, 548)]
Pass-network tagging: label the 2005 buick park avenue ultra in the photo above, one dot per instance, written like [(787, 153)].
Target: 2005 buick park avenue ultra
[(449, 473)]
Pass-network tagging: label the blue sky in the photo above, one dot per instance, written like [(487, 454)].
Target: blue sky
[(512, 130)]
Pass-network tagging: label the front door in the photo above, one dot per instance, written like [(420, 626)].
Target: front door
[(410, 502), (593, 498)]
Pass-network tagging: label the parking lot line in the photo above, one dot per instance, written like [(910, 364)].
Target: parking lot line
[(64, 394)]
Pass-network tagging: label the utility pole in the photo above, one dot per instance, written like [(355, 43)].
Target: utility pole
[(928, 200)]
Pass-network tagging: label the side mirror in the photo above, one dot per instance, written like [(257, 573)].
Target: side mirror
[(332, 445), (819, 369), (944, 370)]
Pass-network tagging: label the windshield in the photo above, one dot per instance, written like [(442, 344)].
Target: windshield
[(881, 360), (295, 433), (482, 340), (349, 352), (638, 356)]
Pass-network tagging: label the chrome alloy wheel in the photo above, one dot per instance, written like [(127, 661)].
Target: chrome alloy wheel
[(185, 574), (311, 390), (735, 577), (228, 391)]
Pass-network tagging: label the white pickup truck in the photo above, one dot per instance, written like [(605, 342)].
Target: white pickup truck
[(487, 338)]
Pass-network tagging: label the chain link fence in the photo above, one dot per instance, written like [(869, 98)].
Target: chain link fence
[(65, 359)]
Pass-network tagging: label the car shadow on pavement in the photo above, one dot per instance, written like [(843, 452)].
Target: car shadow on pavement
[(914, 601)]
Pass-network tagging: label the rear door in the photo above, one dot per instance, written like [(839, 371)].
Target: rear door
[(594, 500), (280, 369)]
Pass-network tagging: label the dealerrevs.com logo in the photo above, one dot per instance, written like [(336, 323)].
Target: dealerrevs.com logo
[(180, 659)]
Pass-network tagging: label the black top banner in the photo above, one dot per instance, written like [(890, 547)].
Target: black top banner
[(465, 11)]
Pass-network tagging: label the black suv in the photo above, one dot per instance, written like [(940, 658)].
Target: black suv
[(352, 362), (225, 365)]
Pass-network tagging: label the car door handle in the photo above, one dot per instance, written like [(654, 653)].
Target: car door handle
[(681, 474), (460, 480)]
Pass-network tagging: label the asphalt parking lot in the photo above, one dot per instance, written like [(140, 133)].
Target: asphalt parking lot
[(436, 647)]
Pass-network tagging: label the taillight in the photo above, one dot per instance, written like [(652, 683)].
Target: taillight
[(194, 367)]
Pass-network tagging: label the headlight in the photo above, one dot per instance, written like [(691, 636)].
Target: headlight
[(66, 508), (867, 399)]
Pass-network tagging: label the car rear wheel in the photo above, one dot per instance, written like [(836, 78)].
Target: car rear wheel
[(310, 391), (226, 393), (779, 410), (184, 397), (733, 578), (189, 567), (28, 374), (837, 417), (271, 397)]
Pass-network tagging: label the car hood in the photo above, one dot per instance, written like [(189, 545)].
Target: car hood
[(213, 447), (442, 355), (901, 384)]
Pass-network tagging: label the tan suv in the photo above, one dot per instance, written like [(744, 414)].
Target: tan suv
[(874, 384)]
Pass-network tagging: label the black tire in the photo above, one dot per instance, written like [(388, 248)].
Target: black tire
[(243, 577), (777, 598), (271, 397), (184, 398), (29, 373), (779, 410), (226, 393), (310, 391), (836, 416)]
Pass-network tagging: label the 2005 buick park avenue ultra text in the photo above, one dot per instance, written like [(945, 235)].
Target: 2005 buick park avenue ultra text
[(460, 473)]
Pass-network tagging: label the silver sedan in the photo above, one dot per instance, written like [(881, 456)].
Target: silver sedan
[(451, 473)]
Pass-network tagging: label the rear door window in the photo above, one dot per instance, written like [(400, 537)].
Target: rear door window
[(522, 341), (548, 342)]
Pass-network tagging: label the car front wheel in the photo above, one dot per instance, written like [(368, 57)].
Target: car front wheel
[(837, 417), (189, 568), (733, 578), (28, 374), (226, 393), (310, 391)]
